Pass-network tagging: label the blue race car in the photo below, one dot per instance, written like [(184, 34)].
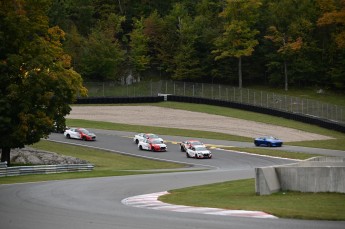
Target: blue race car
[(268, 141)]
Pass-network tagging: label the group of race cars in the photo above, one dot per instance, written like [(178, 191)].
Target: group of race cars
[(152, 142)]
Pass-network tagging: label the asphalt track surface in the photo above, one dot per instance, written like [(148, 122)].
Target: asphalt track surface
[(96, 202)]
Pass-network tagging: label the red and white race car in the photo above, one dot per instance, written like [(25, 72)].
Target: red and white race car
[(189, 143), (80, 133), (141, 136), (152, 144)]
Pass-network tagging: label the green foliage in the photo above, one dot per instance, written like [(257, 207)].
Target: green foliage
[(139, 47), (102, 57), (278, 43), (37, 82), (238, 38)]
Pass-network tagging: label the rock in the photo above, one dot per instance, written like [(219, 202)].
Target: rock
[(33, 156)]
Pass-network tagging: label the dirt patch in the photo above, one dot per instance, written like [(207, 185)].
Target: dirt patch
[(166, 117)]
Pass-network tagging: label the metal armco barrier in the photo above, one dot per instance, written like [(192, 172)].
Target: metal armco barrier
[(42, 169)]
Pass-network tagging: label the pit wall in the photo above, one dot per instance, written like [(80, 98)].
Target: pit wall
[(319, 174)]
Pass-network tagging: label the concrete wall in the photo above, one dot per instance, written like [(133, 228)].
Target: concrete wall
[(320, 174), (266, 181)]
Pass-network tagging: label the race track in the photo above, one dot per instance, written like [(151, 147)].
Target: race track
[(96, 203)]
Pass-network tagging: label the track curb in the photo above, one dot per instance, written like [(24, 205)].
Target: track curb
[(150, 201)]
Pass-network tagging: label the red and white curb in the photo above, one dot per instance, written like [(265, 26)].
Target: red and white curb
[(150, 201)]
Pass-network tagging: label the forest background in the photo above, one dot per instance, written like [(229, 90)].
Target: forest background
[(50, 47), (237, 42)]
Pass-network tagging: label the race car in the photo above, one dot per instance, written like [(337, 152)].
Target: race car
[(268, 141), (152, 144), (141, 136), (80, 133), (189, 143), (198, 151)]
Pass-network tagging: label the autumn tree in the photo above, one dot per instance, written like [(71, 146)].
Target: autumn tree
[(287, 47), (291, 28), (332, 21), (37, 83), (238, 39)]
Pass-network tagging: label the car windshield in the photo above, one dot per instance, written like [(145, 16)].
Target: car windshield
[(84, 131), (194, 143), (151, 136), (155, 141), (201, 148), (272, 138)]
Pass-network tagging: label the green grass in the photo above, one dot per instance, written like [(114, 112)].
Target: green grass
[(240, 195), (328, 96), (106, 164)]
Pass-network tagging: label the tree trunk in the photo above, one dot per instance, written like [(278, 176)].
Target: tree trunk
[(5, 155), (286, 76), (240, 72)]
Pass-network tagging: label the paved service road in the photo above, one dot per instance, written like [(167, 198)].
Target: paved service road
[(96, 202)]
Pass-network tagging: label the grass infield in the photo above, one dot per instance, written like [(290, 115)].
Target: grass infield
[(240, 195)]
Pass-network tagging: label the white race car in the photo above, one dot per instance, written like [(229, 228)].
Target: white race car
[(80, 133), (152, 144), (198, 151), (141, 136)]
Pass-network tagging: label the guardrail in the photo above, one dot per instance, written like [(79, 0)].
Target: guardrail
[(42, 169)]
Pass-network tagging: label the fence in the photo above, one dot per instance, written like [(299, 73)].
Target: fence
[(257, 98), (42, 169)]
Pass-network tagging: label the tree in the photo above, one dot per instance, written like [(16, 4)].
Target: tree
[(332, 21), (238, 39), (287, 48), (185, 59), (139, 50), (291, 28), (37, 83), (102, 56)]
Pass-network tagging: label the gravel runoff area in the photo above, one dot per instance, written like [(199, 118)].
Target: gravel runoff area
[(174, 118)]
